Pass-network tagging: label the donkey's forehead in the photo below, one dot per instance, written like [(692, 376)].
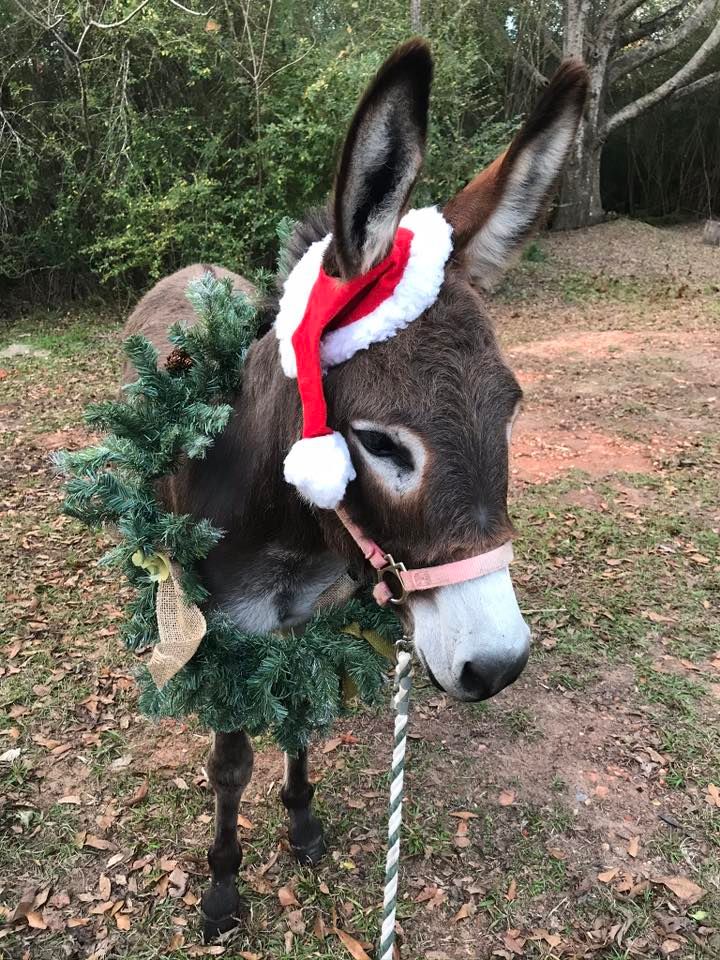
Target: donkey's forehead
[(447, 361)]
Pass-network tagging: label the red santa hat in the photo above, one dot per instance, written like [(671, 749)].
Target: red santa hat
[(323, 321)]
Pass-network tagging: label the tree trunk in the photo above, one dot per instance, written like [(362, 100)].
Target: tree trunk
[(415, 16), (580, 204), (711, 233)]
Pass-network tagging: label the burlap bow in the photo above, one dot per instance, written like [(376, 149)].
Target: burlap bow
[(181, 625)]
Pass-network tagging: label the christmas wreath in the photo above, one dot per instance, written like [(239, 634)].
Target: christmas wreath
[(290, 685)]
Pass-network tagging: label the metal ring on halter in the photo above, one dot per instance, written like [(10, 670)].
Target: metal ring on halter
[(396, 586), (404, 644)]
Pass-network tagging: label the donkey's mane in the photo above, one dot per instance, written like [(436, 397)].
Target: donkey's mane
[(316, 224)]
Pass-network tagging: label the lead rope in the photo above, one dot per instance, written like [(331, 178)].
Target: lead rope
[(403, 683)]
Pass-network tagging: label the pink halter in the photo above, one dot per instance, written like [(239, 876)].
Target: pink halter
[(425, 578)]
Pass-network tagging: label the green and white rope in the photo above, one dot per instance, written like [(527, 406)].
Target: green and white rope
[(403, 682)]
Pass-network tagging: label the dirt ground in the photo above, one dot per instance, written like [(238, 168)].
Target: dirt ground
[(576, 815)]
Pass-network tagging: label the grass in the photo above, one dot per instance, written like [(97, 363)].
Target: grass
[(625, 619)]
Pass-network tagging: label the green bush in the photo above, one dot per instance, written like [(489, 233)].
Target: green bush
[(159, 148)]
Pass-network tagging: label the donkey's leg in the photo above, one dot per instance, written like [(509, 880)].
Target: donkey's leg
[(229, 767), (306, 832)]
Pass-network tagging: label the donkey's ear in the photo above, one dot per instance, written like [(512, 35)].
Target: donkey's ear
[(495, 212), (381, 159)]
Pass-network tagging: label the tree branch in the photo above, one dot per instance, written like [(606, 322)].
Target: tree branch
[(696, 86), (642, 30), (655, 48), (550, 43), (117, 23), (194, 13), (538, 78), (667, 89), (623, 10)]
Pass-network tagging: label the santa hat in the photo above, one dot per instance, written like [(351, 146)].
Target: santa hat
[(323, 321)]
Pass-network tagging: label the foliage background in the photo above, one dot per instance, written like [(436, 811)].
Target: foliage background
[(174, 137)]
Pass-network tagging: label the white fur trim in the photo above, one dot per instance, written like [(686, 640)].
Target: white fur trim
[(320, 468), (296, 293), (417, 290)]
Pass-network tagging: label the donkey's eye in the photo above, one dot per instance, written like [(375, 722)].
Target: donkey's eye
[(381, 445)]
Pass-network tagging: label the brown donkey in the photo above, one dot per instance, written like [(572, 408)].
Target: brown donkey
[(426, 415)]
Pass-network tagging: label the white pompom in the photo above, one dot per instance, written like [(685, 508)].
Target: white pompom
[(320, 468)]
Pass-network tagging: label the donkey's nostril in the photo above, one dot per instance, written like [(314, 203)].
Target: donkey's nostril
[(481, 680), (474, 682)]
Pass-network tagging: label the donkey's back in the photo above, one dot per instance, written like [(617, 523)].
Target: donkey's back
[(166, 303)]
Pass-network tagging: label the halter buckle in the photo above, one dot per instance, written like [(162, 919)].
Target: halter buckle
[(395, 585)]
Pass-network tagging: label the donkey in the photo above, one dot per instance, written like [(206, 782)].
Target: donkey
[(427, 417)]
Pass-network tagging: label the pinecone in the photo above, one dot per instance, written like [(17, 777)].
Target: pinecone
[(178, 361)]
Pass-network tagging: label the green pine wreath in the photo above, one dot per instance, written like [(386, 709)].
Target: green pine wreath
[(291, 686)]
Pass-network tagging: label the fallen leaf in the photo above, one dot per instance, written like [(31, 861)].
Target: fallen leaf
[(330, 745), (633, 847), (657, 617), (177, 883), (24, 904), (506, 798), (102, 907), (513, 943), (512, 891), (713, 795), (669, 946), (287, 897), (122, 763), (175, 942), (626, 884), (683, 888), (104, 887), (607, 875), (10, 755), (36, 920), (70, 799), (466, 910), (245, 823), (122, 921), (295, 922), (97, 843), (353, 946), (140, 793)]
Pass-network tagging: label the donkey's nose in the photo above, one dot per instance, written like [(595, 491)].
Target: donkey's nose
[(481, 679)]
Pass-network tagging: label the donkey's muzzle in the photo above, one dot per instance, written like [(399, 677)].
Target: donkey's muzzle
[(481, 679)]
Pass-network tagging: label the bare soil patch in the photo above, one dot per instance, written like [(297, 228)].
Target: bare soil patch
[(541, 455)]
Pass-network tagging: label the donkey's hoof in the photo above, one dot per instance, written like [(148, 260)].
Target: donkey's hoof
[(222, 908), (311, 848)]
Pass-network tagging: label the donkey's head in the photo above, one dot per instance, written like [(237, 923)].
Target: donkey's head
[(427, 413)]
